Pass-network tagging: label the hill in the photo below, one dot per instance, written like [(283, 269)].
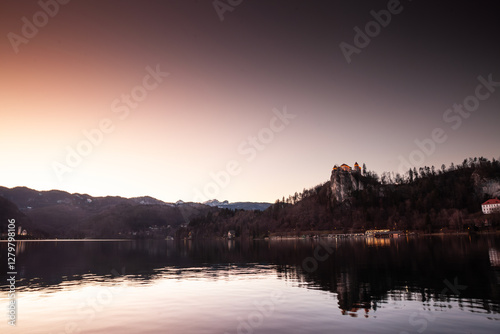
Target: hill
[(9, 211), (58, 214), (427, 199)]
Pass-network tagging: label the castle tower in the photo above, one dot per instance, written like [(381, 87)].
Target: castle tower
[(356, 168)]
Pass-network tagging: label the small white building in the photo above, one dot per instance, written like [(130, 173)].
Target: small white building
[(491, 205)]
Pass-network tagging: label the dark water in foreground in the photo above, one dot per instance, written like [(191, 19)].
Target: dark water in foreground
[(416, 285)]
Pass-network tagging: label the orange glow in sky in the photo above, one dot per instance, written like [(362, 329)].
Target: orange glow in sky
[(92, 80)]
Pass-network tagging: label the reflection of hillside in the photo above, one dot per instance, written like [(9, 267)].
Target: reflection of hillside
[(352, 299), (359, 275), (363, 276)]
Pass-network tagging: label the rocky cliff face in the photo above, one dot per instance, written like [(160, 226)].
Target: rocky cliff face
[(484, 186), (342, 184)]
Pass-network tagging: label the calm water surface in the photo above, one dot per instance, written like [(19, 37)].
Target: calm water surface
[(415, 285)]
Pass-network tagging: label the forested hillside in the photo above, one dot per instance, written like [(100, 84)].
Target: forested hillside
[(428, 199)]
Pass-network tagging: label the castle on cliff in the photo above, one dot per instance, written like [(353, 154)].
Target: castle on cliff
[(344, 181), (347, 168)]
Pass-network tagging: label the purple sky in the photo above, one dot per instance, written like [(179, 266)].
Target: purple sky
[(249, 108)]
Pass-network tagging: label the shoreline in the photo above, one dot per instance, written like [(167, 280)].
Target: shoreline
[(307, 235)]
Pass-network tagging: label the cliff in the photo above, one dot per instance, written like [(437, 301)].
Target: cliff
[(343, 183), (485, 186)]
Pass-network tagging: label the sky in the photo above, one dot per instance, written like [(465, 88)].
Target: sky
[(240, 100)]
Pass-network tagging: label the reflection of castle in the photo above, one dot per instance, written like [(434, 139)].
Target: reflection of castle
[(494, 257), (353, 295), (347, 168)]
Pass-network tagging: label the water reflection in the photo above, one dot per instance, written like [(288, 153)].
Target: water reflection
[(377, 242), (362, 274), (494, 257)]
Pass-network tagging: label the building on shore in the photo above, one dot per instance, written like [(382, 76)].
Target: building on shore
[(491, 206)]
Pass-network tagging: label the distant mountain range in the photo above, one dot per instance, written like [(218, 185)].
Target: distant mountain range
[(60, 214), (261, 206)]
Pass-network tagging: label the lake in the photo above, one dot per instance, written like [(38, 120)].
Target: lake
[(448, 284)]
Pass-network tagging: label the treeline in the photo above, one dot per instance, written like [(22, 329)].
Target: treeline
[(425, 199)]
